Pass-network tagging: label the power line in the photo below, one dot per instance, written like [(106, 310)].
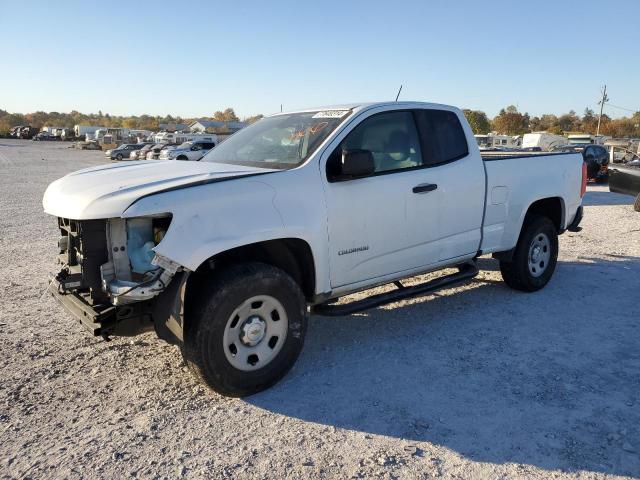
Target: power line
[(623, 108)]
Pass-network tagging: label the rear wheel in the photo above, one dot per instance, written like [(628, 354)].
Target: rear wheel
[(247, 330), (535, 256)]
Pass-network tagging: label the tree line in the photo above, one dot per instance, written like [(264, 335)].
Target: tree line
[(509, 121), (69, 120)]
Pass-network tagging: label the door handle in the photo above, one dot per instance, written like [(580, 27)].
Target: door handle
[(425, 188)]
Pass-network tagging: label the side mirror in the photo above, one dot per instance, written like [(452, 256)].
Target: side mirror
[(357, 163)]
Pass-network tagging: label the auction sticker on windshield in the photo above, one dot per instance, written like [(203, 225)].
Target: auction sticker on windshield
[(331, 114)]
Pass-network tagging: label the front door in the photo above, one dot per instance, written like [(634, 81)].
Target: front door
[(371, 221)]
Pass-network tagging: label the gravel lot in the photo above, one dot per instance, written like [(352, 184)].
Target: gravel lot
[(473, 382)]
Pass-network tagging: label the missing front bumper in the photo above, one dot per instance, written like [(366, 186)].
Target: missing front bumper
[(104, 320)]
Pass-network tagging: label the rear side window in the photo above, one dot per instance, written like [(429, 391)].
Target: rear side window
[(441, 136)]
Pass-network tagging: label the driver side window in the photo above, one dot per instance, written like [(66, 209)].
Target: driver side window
[(392, 139)]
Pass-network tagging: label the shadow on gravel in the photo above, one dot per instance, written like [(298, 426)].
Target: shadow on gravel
[(595, 198), (546, 379)]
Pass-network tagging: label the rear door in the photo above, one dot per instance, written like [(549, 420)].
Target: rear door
[(456, 171)]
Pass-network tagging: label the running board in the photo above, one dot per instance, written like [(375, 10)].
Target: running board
[(466, 272)]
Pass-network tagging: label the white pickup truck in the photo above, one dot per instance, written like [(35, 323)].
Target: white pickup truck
[(227, 257)]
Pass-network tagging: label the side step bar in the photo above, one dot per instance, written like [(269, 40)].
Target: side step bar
[(466, 272)]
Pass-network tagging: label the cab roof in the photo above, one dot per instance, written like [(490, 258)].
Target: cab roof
[(357, 107)]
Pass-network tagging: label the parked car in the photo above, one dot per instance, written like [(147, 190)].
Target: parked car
[(595, 156), (625, 178), (225, 257), (44, 136), (142, 153), (124, 150), (154, 153), (187, 151)]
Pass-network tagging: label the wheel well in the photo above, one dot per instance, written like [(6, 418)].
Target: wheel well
[(552, 208), (292, 255)]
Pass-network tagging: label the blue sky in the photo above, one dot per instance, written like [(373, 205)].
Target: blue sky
[(192, 58)]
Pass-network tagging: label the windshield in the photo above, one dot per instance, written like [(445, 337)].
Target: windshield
[(186, 145), (281, 142)]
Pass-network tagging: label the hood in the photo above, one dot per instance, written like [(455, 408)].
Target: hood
[(108, 190)]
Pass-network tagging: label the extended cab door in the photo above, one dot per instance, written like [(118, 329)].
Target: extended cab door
[(371, 220), (457, 170)]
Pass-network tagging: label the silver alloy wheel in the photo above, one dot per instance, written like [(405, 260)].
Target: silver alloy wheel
[(255, 332), (539, 254)]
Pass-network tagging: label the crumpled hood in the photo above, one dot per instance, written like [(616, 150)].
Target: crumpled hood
[(107, 191)]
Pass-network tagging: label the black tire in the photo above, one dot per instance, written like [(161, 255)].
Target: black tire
[(636, 205), (119, 157), (204, 349), (516, 273), (182, 157)]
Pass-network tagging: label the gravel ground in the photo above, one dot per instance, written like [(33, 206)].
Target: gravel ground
[(473, 382)]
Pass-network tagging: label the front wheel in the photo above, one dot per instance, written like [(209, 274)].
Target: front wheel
[(535, 256), (119, 157), (246, 330), (636, 205)]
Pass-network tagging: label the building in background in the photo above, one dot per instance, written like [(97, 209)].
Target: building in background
[(214, 126), (173, 127)]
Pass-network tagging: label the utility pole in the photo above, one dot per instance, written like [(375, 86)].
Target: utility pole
[(602, 102)]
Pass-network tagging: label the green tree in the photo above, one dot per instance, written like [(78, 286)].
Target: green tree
[(130, 123), (511, 122), (569, 122), (228, 115), (478, 120)]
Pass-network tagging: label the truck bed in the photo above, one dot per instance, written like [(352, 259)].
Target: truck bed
[(514, 184), (488, 156)]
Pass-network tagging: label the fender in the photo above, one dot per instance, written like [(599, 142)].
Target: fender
[(212, 218)]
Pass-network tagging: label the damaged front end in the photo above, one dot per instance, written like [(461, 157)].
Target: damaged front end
[(110, 274)]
